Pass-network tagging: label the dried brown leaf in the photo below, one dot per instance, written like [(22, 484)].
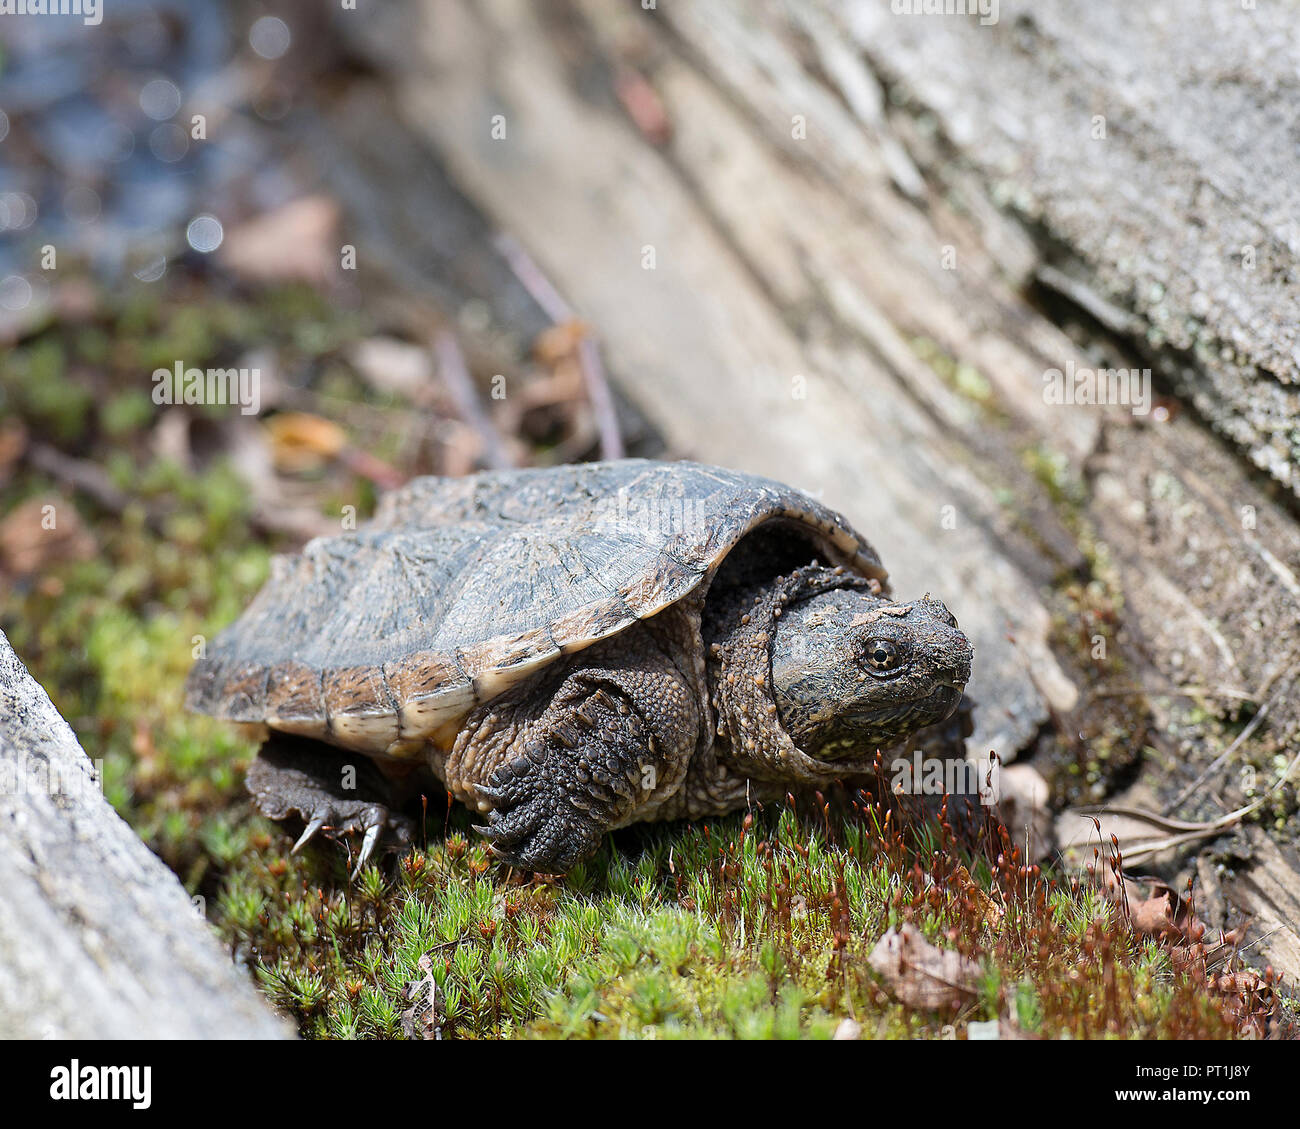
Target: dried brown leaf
[(301, 441), (1153, 917), (991, 911), (920, 974), (40, 532), (293, 242)]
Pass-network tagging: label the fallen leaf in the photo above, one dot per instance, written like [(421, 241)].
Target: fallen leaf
[(423, 1019), (390, 365), (559, 342), (991, 911), (1155, 909), (920, 974), (293, 242), (40, 532), (1154, 917), (1240, 982), (301, 441)]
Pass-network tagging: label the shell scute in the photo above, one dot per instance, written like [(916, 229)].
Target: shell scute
[(295, 701)]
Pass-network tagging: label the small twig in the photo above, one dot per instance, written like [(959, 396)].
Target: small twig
[(533, 280), (1197, 692), (90, 479), (370, 466), (602, 401), (78, 474), (1222, 758), (1261, 938), (1160, 822), (1144, 847), (455, 374), (559, 311)]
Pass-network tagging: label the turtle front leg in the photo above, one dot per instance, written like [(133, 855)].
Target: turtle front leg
[(330, 790), (580, 771)]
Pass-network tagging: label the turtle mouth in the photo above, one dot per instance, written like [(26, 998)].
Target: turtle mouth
[(858, 737)]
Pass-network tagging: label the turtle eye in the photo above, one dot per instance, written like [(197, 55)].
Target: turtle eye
[(881, 656)]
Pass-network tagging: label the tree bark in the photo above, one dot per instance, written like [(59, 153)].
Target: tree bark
[(97, 937)]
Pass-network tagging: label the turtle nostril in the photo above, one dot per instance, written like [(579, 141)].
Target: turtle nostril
[(957, 660)]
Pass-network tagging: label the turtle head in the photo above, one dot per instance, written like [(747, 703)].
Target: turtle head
[(852, 672)]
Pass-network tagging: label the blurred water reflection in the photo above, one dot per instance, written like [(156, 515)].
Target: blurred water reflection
[(118, 138)]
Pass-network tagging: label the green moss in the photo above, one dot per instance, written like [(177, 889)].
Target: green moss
[(127, 412), (36, 380), (758, 928)]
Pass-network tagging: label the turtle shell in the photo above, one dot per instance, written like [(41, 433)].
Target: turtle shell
[(459, 588)]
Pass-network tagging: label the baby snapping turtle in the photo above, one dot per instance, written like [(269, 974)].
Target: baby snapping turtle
[(575, 649)]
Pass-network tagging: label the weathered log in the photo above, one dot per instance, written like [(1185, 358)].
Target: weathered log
[(1155, 145), (97, 937), (850, 253)]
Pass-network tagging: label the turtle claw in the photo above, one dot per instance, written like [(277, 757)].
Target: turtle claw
[(494, 795), (367, 847), (339, 820), (316, 822), (294, 778)]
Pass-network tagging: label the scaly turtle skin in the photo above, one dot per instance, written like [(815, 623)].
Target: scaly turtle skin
[(575, 649)]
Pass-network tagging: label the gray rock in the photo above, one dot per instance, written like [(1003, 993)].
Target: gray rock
[(98, 939)]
